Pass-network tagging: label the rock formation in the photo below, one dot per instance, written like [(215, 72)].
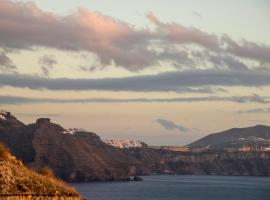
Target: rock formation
[(81, 156)]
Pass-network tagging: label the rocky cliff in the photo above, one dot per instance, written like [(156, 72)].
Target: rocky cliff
[(253, 163), (80, 156)]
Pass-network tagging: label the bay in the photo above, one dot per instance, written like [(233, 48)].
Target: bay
[(173, 187)]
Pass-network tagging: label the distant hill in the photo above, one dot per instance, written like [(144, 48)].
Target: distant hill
[(19, 182), (250, 138)]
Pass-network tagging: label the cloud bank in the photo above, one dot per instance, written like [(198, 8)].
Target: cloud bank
[(26, 26), (5, 99), (179, 81)]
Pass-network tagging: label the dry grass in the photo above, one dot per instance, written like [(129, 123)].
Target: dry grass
[(31, 197), (44, 183), (4, 152), (46, 171), (25, 182)]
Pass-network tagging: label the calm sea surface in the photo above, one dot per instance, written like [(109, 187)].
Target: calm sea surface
[(180, 188)]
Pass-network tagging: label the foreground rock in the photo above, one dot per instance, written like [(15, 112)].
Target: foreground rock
[(18, 182)]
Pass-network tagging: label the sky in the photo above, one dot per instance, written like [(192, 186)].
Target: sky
[(163, 72)]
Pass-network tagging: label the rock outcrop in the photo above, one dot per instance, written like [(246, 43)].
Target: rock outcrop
[(78, 157)]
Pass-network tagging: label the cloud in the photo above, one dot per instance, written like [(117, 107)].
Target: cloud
[(179, 81), (170, 125), (24, 25), (256, 110), (179, 58), (247, 49), (6, 64), (47, 63), (115, 42), (228, 62), (236, 99), (178, 33)]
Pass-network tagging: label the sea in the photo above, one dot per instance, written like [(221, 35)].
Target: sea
[(182, 187)]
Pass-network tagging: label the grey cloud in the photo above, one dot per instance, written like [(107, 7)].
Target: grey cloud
[(220, 61), (227, 61), (47, 63), (247, 49), (170, 125), (179, 59), (237, 99), (256, 110), (180, 81), (6, 64)]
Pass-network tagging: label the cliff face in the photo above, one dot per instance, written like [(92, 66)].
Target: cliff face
[(8, 121), (17, 181), (80, 156), (210, 163)]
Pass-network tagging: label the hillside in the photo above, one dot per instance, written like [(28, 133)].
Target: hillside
[(19, 182), (80, 156), (76, 155), (250, 138)]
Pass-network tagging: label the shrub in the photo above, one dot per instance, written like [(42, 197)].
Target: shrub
[(4, 152), (46, 171)]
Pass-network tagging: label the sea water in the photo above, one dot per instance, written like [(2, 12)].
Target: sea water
[(175, 187)]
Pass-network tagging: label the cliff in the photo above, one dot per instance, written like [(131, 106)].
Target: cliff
[(252, 163), (76, 155), (19, 182)]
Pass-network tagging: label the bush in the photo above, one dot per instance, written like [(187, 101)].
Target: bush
[(4, 152), (46, 171)]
